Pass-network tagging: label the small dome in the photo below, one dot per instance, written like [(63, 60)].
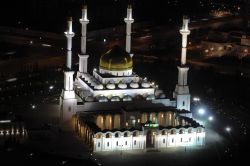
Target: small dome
[(162, 96), (158, 92), (116, 59), (134, 85), (115, 98), (122, 86), (100, 86), (110, 86), (102, 99), (150, 97), (89, 99), (145, 85), (127, 98)]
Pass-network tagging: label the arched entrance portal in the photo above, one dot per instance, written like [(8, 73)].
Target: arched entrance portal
[(150, 139)]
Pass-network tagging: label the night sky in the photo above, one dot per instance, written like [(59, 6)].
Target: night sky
[(50, 15)]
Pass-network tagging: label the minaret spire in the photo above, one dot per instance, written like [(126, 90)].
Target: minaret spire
[(83, 58), (69, 34), (181, 93), (184, 31), (128, 20), (68, 100)]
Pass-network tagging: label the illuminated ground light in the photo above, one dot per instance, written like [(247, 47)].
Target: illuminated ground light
[(196, 99), (33, 106), (210, 118), (201, 111), (228, 129)]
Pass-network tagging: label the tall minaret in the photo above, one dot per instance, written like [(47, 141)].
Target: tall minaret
[(68, 100), (129, 20), (69, 34), (182, 90), (83, 57)]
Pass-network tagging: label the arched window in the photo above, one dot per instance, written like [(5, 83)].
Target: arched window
[(163, 132), (199, 130), (181, 131), (116, 135), (172, 131), (190, 130), (126, 134), (98, 136), (135, 134), (108, 135)]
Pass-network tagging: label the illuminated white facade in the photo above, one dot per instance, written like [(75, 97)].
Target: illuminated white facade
[(115, 109), (134, 140), (83, 57)]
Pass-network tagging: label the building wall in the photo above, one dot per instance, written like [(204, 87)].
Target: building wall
[(121, 141), (163, 139)]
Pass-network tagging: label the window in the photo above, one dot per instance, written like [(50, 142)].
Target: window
[(126, 143), (134, 142), (116, 135), (99, 144), (134, 134), (181, 139), (163, 132), (172, 140), (189, 139), (183, 103), (69, 109), (108, 135), (198, 138), (116, 143), (126, 134), (163, 141), (107, 144)]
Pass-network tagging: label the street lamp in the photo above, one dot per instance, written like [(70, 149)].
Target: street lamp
[(228, 129), (210, 118), (33, 106), (201, 111)]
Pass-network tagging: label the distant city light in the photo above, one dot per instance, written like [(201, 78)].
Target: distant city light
[(5, 121), (201, 111), (104, 40), (196, 99), (51, 87), (228, 129), (210, 118), (33, 106)]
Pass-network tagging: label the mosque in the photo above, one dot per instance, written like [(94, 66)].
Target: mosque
[(113, 108)]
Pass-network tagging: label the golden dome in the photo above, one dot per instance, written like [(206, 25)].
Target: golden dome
[(116, 59)]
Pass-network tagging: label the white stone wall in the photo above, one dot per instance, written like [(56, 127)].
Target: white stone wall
[(121, 142), (170, 138)]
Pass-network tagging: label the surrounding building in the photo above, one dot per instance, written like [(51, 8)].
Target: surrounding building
[(226, 44), (113, 108), (12, 130)]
